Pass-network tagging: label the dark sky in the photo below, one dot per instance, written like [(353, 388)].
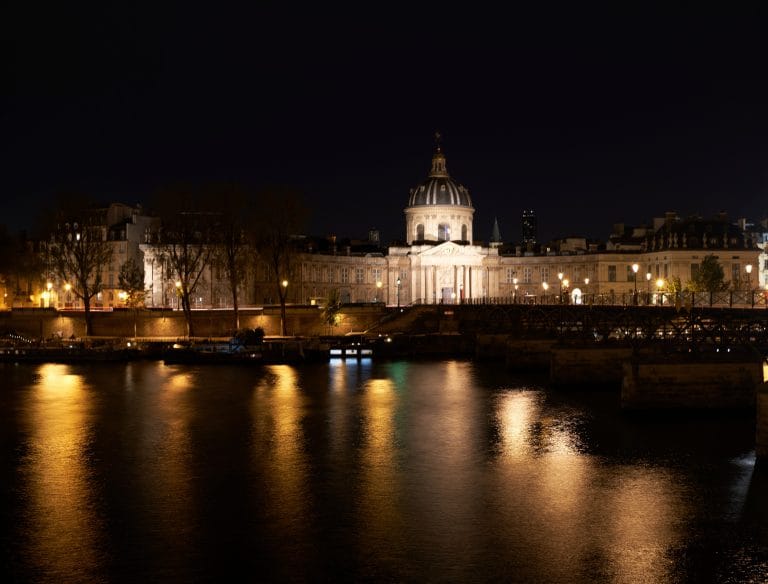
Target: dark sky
[(590, 117)]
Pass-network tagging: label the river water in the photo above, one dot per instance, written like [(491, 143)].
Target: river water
[(385, 472)]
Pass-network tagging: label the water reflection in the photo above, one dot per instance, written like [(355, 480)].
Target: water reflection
[(362, 471), (280, 459), (568, 507), (381, 522), (65, 524)]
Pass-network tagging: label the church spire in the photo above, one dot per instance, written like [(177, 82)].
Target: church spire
[(495, 235), (438, 159)]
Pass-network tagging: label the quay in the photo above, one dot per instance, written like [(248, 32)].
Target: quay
[(658, 357)]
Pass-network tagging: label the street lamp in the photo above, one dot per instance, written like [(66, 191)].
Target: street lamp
[(659, 286), (560, 277), (748, 268), (648, 287), (398, 292), (586, 287), (566, 283), (514, 297), (635, 267), (178, 293), (546, 287), (378, 291)]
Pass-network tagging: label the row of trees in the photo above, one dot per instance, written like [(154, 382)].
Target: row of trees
[(224, 223)]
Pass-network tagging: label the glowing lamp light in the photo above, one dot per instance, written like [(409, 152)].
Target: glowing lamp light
[(648, 276), (749, 268), (635, 267), (49, 285), (566, 283), (178, 284), (659, 283), (285, 283), (545, 286), (586, 281)]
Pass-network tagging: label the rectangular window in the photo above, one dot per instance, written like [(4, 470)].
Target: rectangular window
[(545, 274), (735, 273), (359, 276), (510, 275), (345, 275), (527, 275), (630, 274), (611, 273), (694, 271), (403, 274), (376, 274)]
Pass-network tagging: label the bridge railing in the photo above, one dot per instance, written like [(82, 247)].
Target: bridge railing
[(723, 299)]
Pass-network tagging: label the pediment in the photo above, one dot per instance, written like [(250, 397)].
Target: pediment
[(449, 248)]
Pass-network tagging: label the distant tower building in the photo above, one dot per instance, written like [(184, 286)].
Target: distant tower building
[(495, 234), (373, 235), (529, 226)]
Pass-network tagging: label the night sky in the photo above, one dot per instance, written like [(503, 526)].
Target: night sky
[(590, 117)]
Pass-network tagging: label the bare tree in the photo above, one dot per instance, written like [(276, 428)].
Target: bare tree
[(235, 239), (79, 252), (186, 241), (131, 281), (283, 218)]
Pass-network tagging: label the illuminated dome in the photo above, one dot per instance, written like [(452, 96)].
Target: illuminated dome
[(439, 188), (439, 209)]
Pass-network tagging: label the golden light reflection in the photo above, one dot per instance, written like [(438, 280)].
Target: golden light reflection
[(278, 413), (445, 437), (178, 382), (164, 446), (63, 505), (626, 517), (380, 508), (516, 412), (338, 373), (646, 509)]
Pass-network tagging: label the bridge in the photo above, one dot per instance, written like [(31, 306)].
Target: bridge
[(693, 324)]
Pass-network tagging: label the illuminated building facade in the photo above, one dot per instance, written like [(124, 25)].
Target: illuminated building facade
[(439, 262)]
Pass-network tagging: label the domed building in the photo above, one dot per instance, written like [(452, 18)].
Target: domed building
[(440, 264), (439, 209)]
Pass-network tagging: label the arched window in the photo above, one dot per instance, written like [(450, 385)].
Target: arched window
[(443, 232), (463, 233), (420, 232)]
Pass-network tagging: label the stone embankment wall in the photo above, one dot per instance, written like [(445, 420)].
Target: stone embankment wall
[(42, 323)]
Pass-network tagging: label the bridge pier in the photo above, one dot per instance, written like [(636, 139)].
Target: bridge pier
[(762, 422), (525, 355), (690, 383), (591, 366)]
